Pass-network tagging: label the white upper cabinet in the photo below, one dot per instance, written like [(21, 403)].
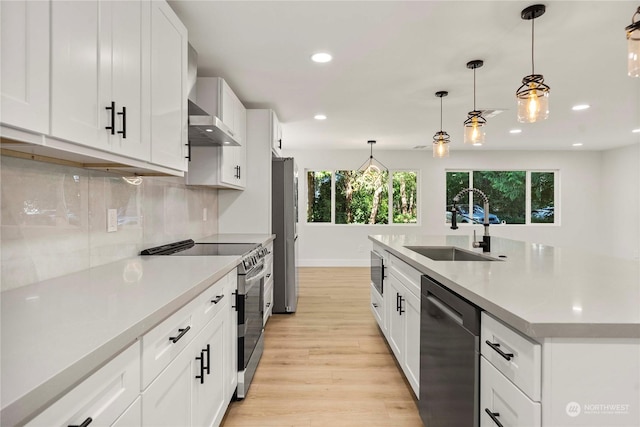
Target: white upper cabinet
[(24, 34), (168, 76), (217, 98), (96, 75)]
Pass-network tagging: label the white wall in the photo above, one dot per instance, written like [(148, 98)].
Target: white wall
[(620, 210), (580, 200)]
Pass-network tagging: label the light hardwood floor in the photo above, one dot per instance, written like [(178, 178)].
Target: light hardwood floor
[(327, 364)]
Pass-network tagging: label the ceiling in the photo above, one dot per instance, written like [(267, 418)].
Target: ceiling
[(390, 57)]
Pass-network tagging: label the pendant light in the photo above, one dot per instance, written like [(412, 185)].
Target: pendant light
[(441, 139), (533, 95), (473, 132), (633, 45), (372, 165)]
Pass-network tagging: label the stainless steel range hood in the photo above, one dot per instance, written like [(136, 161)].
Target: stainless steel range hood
[(205, 130)]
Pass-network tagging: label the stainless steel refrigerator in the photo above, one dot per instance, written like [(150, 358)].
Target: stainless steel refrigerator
[(284, 214)]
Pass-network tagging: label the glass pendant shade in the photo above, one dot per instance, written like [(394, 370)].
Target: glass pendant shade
[(633, 46), (441, 145), (533, 95), (533, 99), (474, 128)]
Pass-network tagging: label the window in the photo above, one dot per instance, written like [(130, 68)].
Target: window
[(509, 194), (319, 196), (355, 197)]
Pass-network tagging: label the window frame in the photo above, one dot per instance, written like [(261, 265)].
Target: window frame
[(389, 201), (556, 195)]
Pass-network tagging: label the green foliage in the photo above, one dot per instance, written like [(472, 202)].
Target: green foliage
[(319, 196), (358, 194), (405, 197), (506, 191), (456, 182), (542, 197)]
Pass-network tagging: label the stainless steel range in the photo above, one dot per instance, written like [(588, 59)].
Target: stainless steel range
[(249, 298)]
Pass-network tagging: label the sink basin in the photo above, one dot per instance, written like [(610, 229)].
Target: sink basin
[(449, 253)]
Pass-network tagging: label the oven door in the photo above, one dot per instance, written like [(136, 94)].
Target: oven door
[(252, 304), (377, 271)]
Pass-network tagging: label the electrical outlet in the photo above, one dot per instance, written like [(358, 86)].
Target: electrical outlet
[(112, 220), (204, 214)]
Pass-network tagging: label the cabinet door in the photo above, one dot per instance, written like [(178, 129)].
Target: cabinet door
[(167, 401), (132, 417), (411, 362), (396, 320), (168, 87), (276, 135), (231, 339), (209, 400), (80, 73), (24, 75), (126, 70), (228, 106), (229, 171)]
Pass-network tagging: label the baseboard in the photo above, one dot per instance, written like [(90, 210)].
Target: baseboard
[(333, 263)]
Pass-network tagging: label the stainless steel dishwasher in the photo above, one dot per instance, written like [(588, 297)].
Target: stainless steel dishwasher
[(449, 358)]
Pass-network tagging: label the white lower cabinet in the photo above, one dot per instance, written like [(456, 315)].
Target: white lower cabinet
[(102, 398), (502, 402), (402, 307), (132, 417)]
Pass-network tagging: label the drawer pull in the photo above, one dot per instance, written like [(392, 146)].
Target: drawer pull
[(402, 310), (397, 301), (85, 423), (494, 417), (180, 335), (374, 305), (218, 298), (496, 347), (123, 132), (268, 304), (112, 128)]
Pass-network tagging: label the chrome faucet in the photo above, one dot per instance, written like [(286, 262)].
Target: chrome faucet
[(486, 239)]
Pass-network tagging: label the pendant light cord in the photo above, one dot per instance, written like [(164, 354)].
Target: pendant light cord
[(474, 89), (440, 114), (532, 41)]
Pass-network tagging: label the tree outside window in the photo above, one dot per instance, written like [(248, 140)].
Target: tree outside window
[(319, 196), (405, 197)]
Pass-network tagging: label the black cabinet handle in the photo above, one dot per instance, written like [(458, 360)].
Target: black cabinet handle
[(397, 301), (268, 275), (496, 347), (112, 128), (239, 171), (268, 304), (494, 417), (401, 309), (123, 113), (217, 299), (201, 376), (280, 143), (188, 144), (180, 335), (208, 358), (374, 305), (85, 423)]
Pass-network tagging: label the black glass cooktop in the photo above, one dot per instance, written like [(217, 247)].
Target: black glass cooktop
[(190, 248)]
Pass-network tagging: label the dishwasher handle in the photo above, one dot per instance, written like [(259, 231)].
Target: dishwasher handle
[(457, 317)]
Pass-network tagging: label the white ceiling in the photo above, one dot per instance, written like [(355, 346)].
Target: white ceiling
[(391, 57)]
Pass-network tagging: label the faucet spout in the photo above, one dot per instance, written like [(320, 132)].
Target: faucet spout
[(486, 239)]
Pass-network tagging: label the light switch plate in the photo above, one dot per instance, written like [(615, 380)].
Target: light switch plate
[(112, 220)]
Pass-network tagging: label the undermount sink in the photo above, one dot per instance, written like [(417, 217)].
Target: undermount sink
[(449, 253)]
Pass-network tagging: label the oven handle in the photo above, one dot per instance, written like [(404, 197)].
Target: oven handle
[(257, 276)]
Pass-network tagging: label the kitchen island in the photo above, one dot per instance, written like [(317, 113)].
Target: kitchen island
[(578, 314)]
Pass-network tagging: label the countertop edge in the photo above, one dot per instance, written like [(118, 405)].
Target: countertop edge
[(31, 404), (535, 331)]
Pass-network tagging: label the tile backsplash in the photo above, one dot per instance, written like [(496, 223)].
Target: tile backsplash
[(54, 218)]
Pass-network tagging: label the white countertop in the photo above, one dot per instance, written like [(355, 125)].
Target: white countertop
[(540, 290), (237, 238), (57, 332)]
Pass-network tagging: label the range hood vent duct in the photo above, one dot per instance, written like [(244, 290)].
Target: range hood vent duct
[(205, 130)]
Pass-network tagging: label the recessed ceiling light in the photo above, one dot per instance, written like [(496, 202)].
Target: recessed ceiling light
[(577, 144), (515, 131), (209, 130), (477, 144), (580, 107), (226, 143), (321, 57), (636, 130), (320, 117)]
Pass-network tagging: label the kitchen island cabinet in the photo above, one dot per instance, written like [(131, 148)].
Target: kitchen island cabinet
[(567, 320)]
